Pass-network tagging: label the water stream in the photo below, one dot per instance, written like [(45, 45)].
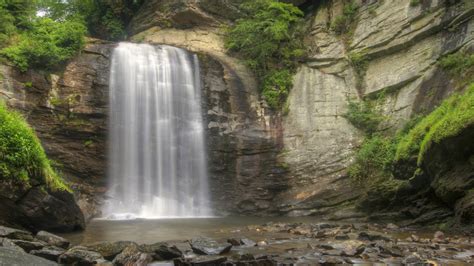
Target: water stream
[(157, 157)]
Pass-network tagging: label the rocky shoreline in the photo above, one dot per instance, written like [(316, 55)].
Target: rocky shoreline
[(267, 244)]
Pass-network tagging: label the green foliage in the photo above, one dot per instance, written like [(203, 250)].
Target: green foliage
[(363, 115), (342, 23), (105, 19), (276, 85), (15, 15), (373, 160), (46, 45), (453, 115), (460, 65), (270, 40), (21, 155)]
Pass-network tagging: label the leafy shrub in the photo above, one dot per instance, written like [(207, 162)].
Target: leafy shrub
[(453, 115), (364, 116), (460, 65), (373, 160), (48, 44), (341, 23), (21, 155), (269, 39)]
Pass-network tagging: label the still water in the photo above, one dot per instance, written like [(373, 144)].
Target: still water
[(148, 231)]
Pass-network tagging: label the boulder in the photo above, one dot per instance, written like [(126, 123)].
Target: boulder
[(132, 255), (9, 257), (52, 239), (162, 251), (50, 253), (206, 246), (80, 256), (7, 243), (29, 245), (110, 249), (15, 233)]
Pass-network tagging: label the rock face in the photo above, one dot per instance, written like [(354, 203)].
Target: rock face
[(401, 44), (68, 111), (261, 162)]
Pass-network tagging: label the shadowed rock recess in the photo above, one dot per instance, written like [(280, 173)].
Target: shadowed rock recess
[(267, 162)]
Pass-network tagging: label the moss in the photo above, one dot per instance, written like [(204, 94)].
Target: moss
[(88, 143), (28, 84), (454, 114), (22, 157)]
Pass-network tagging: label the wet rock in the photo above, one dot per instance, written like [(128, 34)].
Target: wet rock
[(162, 251), (262, 243), (13, 233), (393, 251), (80, 256), (110, 249), (207, 260), (28, 245), (52, 239), (331, 260), (10, 257), (413, 259), (415, 238), (392, 226), (132, 255), (247, 242), (206, 246), (233, 242), (439, 237), (372, 237), (325, 246), (342, 237), (49, 253), (8, 243)]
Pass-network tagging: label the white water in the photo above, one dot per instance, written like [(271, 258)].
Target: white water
[(157, 158)]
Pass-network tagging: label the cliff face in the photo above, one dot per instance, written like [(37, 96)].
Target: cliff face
[(263, 162)]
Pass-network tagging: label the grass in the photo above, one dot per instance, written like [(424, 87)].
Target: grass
[(22, 158)]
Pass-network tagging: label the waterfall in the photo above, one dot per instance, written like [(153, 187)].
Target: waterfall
[(157, 157)]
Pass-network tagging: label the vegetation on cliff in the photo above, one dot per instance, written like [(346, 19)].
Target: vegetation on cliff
[(22, 158), (377, 160), (269, 38)]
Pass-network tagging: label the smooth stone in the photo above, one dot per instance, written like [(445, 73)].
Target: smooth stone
[(50, 253), (206, 246), (80, 256), (11, 257), (13, 233), (52, 239), (262, 243)]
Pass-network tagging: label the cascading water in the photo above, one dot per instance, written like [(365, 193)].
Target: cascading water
[(157, 157)]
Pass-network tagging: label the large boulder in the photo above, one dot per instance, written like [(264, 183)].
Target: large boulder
[(9, 257)]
